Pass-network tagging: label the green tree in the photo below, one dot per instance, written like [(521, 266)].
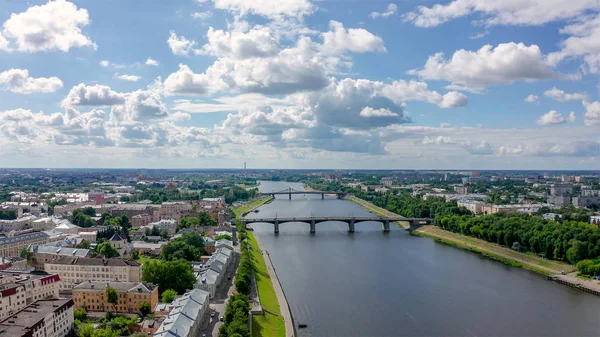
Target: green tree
[(106, 250), (168, 295), (89, 211), (84, 244), (145, 308), (204, 219), (135, 254), (112, 297), (86, 330), (80, 314), (25, 253), (188, 247), (177, 275), (223, 236)]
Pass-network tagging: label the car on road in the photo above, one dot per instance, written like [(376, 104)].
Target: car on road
[(212, 314), (221, 318), (203, 335), (229, 277)]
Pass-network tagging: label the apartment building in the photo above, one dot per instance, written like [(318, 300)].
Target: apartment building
[(12, 244), (210, 274), (169, 224), (172, 208), (92, 296), (74, 270), (140, 220), (18, 291), (185, 319), (17, 224), (46, 253), (131, 210), (44, 318)]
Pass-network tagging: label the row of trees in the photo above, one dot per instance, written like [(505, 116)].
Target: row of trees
[(8, 214), (82, 217), (571, 241), (589, 267), (405, 205), (203, 219), (190, 247)]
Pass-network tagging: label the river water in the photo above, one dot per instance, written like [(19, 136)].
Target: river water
[(372, 283)]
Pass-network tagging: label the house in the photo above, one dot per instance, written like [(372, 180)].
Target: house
[(92, 296), (74, 270), (44, 318), (12, 244), (45, 253), (66, 227), (185, 318), (18, 291), (117, 241)]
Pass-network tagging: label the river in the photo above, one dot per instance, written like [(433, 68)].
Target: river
[(372, 283)]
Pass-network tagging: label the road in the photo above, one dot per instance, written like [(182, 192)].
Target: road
[(210, 325)]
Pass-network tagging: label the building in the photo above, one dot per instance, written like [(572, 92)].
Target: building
[(169, 224), (210, 274), (66, 227), (17, 224), (587, 201), (44, 318), (88, 236), (140, 220), (561, 189), (97, 198), (18, 291), (173, 208), (185, 319), (92, 296), (386, 181), (74, 270), (566, 179), (12, 244), (118, 242), (147, 247), (45, 253), (595, 220), (474, 206), (462, 189), (131, 210), (559, 200), (552, 216)]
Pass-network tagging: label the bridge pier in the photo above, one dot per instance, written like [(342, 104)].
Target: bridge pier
[(312, 227), (386, 226), (276, 226), (351, 226), (322, 196), (290, 196)]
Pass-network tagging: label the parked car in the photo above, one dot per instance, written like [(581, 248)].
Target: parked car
[(221, 318), (212, 314)]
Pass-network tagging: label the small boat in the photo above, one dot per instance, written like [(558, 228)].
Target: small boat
[(302, 326)]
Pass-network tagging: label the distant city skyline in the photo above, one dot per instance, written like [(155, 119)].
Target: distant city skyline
[(299, 84)]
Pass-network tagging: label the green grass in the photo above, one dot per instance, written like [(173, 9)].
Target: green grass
[(143, 260), (247, 207), (380, 212), (266, 325)]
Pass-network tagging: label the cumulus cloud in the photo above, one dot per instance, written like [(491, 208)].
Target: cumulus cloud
[(553, 117), (151, 62), (438, 140), (504, 64), (417, 91), (18, 81), (56, 25), (129, 78), (202, 15), (339, 40), (513, 12), (561, 96), (532, 99), (107, 63), (477, 148), (454, 99), (391, 10), (592, 113), (370, 112), (140, 105), (239, 45), (180, 45), (272, 9), (96, 95), (583, 41)]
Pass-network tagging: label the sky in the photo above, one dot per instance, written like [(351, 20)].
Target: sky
[(461, 84)]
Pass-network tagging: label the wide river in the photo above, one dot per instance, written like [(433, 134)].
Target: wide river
[(394, 284)]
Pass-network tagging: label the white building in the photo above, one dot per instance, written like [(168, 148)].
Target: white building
[(185, 319), (18, 291), (210, 275), (74, 270), (45, 318)]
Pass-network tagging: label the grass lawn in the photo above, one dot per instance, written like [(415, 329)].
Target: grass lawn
[(143, 260), (246, 207), (267, 325)]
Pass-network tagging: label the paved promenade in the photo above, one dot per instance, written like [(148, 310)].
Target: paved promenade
[(283, 305)]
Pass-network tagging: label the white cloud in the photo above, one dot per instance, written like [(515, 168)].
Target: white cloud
[(339, 40), (532, 99), (592, 113), (554, 117), (370, 112), (129, 78), (18, 81), (140, 106), (96, 95), (107, 63), (391, 10), (584, 41), (454, 99), (417, 91), (508, 12), (104, 63), (504, 64), (151, 62), (3, 43), (477, 148), (239, 45), (54, 26), (228, 103), (438, 140), (460, 87), (179, 116), (268, 8), (561, 96), (180, 45), (202, 15)]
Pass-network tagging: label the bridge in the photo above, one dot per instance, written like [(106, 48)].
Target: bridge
[(290, 191), (351, 221)]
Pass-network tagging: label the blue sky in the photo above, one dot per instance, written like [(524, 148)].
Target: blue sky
[(298, 84)]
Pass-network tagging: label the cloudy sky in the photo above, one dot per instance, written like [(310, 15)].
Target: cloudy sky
[(462, 84)]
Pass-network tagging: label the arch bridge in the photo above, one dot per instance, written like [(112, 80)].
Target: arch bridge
[(290, 191), (351, 221)]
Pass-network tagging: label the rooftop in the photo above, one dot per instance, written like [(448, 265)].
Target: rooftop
[(60, 251), (184, 314), (23, 321), (94, 261), (125, 287)]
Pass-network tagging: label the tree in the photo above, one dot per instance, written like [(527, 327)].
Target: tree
[(112, 296), (89, 211), (189, 247), (135, 254), (145, 308), (223, 237), (106, 250), (84, 244), (79, 314), (168, 295), (204, 219), (25, 253), (86, 330), (177, 275)]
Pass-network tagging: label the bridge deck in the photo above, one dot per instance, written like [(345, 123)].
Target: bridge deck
[(322, 219)]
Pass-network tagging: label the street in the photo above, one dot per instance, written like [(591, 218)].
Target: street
[(210, 325)]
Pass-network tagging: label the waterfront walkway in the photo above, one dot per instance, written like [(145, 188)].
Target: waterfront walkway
[(286, 315)]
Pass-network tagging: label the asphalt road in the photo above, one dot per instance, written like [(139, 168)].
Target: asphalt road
[(210, 325)]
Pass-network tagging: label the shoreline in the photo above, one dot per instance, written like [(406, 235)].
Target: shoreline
[(284, 306), (551, 269)]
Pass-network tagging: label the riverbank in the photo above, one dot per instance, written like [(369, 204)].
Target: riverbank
[(381, 212), (275, 302), (245, 208)]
